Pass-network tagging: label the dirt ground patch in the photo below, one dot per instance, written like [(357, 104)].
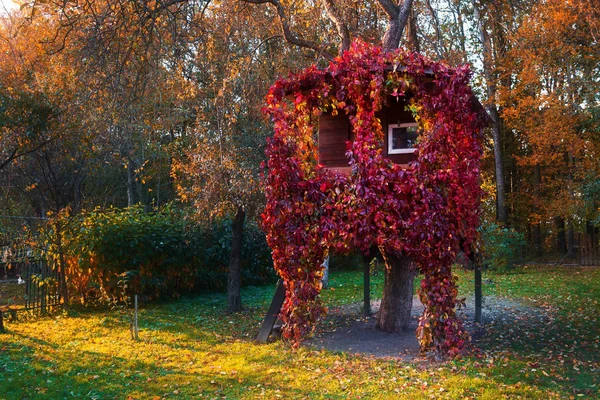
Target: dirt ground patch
[(345, 330)]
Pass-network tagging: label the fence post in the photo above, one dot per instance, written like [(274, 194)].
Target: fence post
[(62, 265)]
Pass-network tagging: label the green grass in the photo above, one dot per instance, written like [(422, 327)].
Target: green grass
[(191, 348)]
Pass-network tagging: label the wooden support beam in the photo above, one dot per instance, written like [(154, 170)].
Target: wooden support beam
[(272, 313), (478, 294), (366, 287)]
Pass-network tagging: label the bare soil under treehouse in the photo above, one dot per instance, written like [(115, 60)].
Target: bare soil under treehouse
[(345, 330)]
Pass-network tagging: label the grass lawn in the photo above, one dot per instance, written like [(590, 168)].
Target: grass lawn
[(191, 349)]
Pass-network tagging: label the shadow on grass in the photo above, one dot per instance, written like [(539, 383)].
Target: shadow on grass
[(40, 369)]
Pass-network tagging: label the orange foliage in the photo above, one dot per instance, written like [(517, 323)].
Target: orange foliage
[(551, 68)]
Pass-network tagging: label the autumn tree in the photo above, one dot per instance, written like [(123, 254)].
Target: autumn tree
[(489, 18), (219, 168), (26, 111), (37, 89), (554, 80)]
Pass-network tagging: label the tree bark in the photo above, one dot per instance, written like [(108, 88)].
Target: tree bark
[(325, 279), (570, 230), (411, 33), (396, 302), (334, 15), (439, 45), (130, 184), (397, 19), (234, 275), (2, 330)]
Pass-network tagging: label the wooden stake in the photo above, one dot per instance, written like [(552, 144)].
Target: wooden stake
[(135, 317)]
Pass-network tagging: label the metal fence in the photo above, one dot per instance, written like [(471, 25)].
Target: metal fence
[(32, 282), (589, 248)]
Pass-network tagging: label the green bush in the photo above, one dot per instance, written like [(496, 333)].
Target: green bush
[(163, 252), (591, 199), (502, 247), (215, 240)]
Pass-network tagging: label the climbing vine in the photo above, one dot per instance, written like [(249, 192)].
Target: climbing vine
[(426, 211)]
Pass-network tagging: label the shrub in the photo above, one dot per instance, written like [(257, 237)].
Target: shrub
[(162, 252), (502, 247), (215, 240)]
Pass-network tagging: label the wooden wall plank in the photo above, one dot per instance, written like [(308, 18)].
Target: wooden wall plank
[(335, 131)]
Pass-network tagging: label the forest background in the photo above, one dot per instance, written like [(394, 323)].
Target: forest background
[(152, 111)]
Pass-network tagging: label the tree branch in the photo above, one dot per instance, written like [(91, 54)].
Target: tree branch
[(14, 155), (389, 8), (9, 159), (339, 23), (411, 32), (287, 32), (438, 32)]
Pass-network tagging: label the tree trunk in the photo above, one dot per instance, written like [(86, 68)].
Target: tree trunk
[(570, 231), (570, 240), (336, 17), (411, 32), (2, 330), (537, 232), (397, 19), (234, 276), (561, 242), (396, 302), (325, 279), (130, 184), (501, 212)]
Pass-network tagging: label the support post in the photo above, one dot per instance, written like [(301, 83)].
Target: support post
[(478, 294), (366, 287)]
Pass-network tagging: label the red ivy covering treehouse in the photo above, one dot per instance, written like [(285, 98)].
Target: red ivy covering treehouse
[(426, 210)]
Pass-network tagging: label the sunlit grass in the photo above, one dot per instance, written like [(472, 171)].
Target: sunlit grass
[(191, 348)]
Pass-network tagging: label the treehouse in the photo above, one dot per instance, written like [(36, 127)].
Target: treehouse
[(400, 133)]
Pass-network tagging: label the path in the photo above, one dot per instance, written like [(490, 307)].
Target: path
[(343, 329)]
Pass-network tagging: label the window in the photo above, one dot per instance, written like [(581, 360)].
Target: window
[(402, 138)]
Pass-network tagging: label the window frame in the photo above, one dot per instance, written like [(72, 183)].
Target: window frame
[(391, 127)]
